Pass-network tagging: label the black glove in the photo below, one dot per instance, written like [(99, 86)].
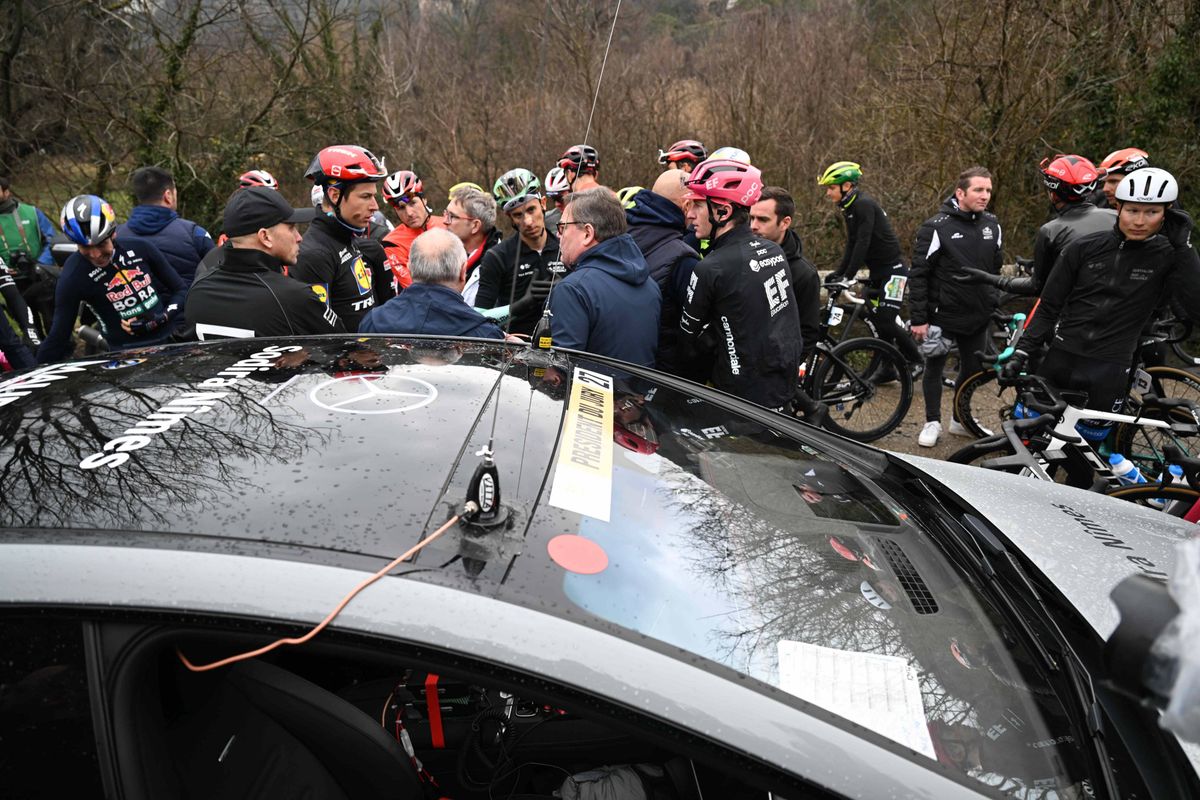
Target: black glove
[(972, 275), (22, 264), (143, 326), (1177, 227), (533, 299), (1014, 366)]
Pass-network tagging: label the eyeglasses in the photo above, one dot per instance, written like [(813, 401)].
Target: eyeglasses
[(558, 229), (450, 216)]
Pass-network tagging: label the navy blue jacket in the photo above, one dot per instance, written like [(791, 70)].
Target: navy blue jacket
[(138, 283), (182, 241), (432, 309), (608, 305)]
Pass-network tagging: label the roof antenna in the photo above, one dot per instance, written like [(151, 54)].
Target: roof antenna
[(484, 488)]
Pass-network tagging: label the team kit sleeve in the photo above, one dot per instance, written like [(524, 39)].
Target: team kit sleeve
[(315, 266), (57, 344), (167, 274), (698, 300), (313, 315), (490, 268), (856, 251), (1054, 297)]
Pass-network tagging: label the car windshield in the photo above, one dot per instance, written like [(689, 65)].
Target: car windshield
[(786, 563)]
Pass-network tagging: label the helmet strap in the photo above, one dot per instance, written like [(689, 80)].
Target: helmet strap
[(337, 207)]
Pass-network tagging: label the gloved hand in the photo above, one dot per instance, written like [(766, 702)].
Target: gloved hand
[(143, 326), (1014, 366), (533, 299), (1177, 227), (973, 275)]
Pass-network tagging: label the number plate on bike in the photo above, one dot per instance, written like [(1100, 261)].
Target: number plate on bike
[(1142, 382), (835, 316)]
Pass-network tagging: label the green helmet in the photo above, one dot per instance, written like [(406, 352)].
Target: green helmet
[(516, 187), (840, 172), (626, 195)]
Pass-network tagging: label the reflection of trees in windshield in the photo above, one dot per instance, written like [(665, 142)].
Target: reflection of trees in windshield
[(190, 461)]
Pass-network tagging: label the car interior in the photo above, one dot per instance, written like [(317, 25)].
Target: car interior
[(334, 720)]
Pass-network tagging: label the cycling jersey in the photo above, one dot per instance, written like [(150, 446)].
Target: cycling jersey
[(1103, 290), (249, 296), (138, 284), (330, 256), (870, 240), (743, 289), (496, 276), (946, 244), (397, 244)]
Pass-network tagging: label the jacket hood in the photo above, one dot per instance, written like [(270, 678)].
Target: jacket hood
[(791, 245), (149, 220), (950, 206), (619, 257), (652, 209)]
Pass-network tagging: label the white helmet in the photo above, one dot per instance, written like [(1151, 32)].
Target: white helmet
[(556, 182), (1148, 185), (731, 153), (318, 196)]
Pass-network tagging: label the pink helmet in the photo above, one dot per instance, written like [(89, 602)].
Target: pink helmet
[(726, 181)]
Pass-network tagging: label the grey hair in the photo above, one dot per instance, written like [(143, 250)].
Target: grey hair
[(601, 209), (437, 256), (478, 205)]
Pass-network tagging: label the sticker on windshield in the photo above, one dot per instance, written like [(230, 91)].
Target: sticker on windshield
[(882, 693), (373, 394), (16, 388), (583, 474)]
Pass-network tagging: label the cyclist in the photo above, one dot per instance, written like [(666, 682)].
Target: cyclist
[(330, 255), (1070, 181), (258, 177), (557, 188), (18, 353), (133, 290), (964, 234), (1116, 165), (581, 164), (509, 270), (405, 193), (732, 154), (740, 289), (684, 154), (471, 216), (871, 242), (1104, 289)]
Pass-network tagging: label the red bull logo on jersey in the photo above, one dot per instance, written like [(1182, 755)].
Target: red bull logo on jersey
[(130, 292), (362, 276)]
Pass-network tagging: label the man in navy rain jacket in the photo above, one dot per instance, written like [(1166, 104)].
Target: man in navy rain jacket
[(154, 219), (607, 304), (433, 304)]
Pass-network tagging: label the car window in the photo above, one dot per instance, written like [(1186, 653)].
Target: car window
[(47, 745)]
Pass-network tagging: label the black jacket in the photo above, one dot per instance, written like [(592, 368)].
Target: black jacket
[(743, 289), (248, 296), (496, 276), (945, 245), (1104, 289), (330, 256), (870, 240), (1073, 222), (806, 283)]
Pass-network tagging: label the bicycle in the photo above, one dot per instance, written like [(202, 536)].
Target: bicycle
[(1175, 499), (864, 382)]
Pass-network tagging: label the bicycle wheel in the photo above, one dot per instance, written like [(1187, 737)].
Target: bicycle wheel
[(1144, 446), (1145, 494), (982, 405), (860, 406)]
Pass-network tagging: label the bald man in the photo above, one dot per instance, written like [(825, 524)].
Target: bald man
[(658, 228)]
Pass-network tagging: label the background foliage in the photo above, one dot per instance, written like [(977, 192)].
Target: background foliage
[(465, 89)]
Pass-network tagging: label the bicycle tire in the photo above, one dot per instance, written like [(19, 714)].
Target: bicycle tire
[(1144, 446), (1143, 493), (982, 405), (860, 406)]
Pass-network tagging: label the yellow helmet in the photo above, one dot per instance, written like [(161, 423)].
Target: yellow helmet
[(840, 172)]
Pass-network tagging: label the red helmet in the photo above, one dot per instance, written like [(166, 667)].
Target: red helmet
[(725, 181), (402, 184), (1124, 161), (580, 158), (345, 163), (258, 177), (1071, 178), (683, 150)]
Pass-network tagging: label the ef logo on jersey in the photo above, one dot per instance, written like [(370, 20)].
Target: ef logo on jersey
[(776, 288), (362, 276)]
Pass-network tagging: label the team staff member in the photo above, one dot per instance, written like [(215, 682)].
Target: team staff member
[(132, 289), (471, 216), (330, 255), (964, 235), (530, 255), (155, 218), (741, 289), (1106, 286), (248, 295), (871, 242)]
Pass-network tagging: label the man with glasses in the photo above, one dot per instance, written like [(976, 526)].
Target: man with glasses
[(607, 304), (405, 193), (471, 216), (508, 272)]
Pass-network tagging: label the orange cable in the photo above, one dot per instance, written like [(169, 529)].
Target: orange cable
[(332, 614)]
